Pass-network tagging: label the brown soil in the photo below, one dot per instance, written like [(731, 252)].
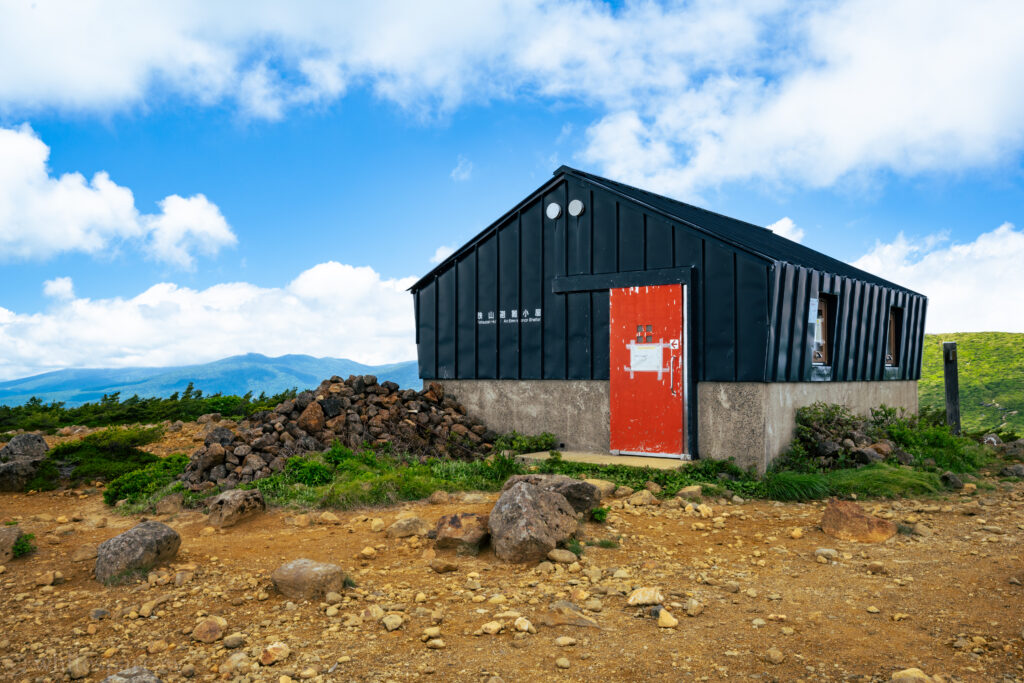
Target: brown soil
[(949, 604)]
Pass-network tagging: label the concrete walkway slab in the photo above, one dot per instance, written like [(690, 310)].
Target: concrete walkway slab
[(609, 459)]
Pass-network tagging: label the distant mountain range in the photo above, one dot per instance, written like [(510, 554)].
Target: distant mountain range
[(235, 375)]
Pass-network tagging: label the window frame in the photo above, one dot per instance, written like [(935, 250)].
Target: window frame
[(826, 313), (893, 337)]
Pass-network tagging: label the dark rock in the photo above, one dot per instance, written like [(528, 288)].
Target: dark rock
[(303, 400), (463, 531), (528, 522), (332, 407), (231, 507), (136, 550), (220, 435), (1012, 471), (582, 496), (866, 456), (19, 460), (827, 449), (136, 674), (952, 481), (22, 447), (902, 457)]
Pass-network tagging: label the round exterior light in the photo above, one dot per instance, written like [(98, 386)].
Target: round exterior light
[(554, 210), (575, 207)]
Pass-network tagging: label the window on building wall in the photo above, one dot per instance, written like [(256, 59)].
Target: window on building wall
[(893, 337), (824, 309)]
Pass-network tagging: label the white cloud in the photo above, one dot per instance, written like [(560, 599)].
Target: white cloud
[(463, 169), (686, 95), (441, 253), (331, 309), (59, 288), (785, 227), (42, 215), (971, 287)]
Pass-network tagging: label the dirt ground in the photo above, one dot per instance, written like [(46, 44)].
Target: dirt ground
[(948, 602)]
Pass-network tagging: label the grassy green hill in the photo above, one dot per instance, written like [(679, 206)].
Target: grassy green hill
[(991, 378)]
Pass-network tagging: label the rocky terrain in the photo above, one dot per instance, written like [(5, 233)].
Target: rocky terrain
[(677, 589), (352, 411)]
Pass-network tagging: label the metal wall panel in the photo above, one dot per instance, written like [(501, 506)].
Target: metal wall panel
[(466, 324), (531, 287), (487, 300), (427, 346), (509, 307), (719, 315), (446, 325), (553, 316)]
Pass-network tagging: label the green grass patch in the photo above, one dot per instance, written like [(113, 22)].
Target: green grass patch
[(342, 478), (600, 514), (23, 545), (101, 456), (609, 543), (883, 481), (796, 486), (142, 484), (991, 369), (574, 546)]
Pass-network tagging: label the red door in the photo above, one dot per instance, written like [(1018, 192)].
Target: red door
[(648, 384)]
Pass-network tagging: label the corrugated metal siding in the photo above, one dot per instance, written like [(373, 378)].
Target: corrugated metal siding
[(860, 327), (749, 315)]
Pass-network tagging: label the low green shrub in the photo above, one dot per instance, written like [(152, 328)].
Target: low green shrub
[(100, 456), (308, 471), (139, 484), (523, 443), (23, 545), (574, 546), (600, 514)]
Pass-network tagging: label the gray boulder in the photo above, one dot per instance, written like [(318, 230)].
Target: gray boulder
[(136, 550), (136, 674), (8, 537), (304, 579), (19, 460), (1013, 471), (231, 507), (582, 496), (528, 522)]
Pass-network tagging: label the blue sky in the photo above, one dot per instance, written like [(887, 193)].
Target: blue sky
[(272, 180)]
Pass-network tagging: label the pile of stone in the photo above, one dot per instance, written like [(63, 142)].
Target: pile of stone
[(19, 460), (354, 411)]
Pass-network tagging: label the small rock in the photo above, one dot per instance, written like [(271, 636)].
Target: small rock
[(648, 595), (775, 656), (304, 579), (443, 566), (523, 624), (435, 644), (565, 641), (492, 627), (369, 552), (439, 497), (410, 526), (666, 620), (873, 610), (235, 505), (693, 608), (562, 663), (913, 675), (274, 653), (139, 674), (876, 568), (78, 668), (136, 550), (210, 630), (562, 556), (234, 640), (377, 524), (392, 622), (796, 533)]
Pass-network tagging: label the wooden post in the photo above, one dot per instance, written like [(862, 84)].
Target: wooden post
[(952, 386)]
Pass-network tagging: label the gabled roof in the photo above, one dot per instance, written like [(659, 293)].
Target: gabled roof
[(753, 239)]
